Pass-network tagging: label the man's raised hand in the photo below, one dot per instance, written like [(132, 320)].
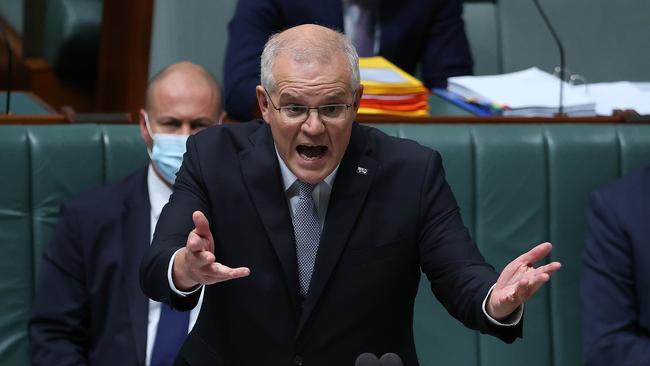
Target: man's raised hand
[(195, 264), (519, 281)]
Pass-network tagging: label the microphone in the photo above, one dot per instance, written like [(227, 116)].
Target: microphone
[(9, 57), (561, 49), (367, 359), (390, 359)]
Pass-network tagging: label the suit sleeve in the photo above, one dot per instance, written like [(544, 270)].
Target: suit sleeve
[(173, 227), (59, 329), (610, 316), (460, 278), (252, 24), (446, 50)]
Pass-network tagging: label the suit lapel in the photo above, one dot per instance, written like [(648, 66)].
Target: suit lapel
[(261, 174), (353, 181), (135, 241)]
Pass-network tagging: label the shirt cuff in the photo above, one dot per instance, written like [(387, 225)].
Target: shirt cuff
[(512, 320), (171, 282)]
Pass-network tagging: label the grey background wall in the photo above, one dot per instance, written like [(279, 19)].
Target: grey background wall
[(12, 11), (604, 40), (195, 30)]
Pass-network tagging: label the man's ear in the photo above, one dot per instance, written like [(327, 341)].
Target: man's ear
[(144, 132), (357, 98), (263, 103)]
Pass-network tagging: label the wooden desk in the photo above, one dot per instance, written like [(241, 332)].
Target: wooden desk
[(27, 108)]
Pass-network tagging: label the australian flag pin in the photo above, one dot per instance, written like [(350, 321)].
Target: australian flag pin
[(362, 170)]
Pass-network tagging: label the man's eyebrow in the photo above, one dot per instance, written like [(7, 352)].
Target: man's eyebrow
[(202, 120), (289, 96), (167, 119), (335, 95), (292, 97)]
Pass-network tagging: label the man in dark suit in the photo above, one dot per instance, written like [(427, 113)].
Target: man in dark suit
[(615, 286), (88, 306), (311, 230), (406, 32)]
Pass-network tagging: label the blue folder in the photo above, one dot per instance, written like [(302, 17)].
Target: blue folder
[(475, 109)]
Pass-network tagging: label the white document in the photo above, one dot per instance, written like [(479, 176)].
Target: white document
[(383, 75), (620, 95), (530, 92)]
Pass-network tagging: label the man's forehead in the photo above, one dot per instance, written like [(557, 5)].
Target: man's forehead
[(287, 67)]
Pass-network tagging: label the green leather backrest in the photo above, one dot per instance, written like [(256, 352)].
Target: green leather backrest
[(41, 167), (517, 185)]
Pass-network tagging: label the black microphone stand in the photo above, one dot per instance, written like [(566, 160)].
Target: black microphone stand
[(561, 49), (9, 57)]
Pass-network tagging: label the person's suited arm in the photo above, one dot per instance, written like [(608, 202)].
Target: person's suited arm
[(252, 24), (446, 49), (460, 278), (172, 229), (59, 328), (610, 317)]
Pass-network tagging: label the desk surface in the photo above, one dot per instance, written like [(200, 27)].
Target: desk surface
[(27, 108), (25, 103)]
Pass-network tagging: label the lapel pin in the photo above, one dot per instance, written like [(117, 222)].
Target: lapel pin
[(362, 170)]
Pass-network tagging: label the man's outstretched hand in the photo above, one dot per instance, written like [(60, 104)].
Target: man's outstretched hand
[(195, 264), (519, 281)]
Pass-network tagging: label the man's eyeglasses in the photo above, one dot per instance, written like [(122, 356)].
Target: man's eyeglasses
[(295, 113)]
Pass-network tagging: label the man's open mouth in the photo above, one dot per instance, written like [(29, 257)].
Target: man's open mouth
[(311, 152)]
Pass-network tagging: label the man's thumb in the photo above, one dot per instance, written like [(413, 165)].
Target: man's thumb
[(201, 225)]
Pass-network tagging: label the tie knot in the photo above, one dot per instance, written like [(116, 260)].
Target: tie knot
[(305, 190)]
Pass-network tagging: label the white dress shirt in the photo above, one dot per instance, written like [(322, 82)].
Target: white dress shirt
[(159, 193)]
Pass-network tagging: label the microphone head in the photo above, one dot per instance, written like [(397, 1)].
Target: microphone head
[(367, 359), (390, 359)]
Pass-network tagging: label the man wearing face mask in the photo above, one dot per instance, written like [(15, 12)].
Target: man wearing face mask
[(88, 307)]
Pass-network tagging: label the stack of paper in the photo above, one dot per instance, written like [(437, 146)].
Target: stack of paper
[(389, 90), (620, 95), (531, 92)]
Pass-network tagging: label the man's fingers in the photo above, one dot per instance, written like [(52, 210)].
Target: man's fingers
[(549, 268), (537, 253), (196, 243), (216, 272), (228, 273), (201, 224), (527, 287)]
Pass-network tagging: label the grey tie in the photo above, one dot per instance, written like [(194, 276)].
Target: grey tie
[(306, 228)]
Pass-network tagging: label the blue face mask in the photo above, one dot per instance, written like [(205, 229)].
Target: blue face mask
[(167, 153)]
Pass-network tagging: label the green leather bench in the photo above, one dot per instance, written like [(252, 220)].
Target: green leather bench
[(517, 185)]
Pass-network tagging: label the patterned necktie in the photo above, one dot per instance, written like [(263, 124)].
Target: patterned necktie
[(306, 228), (170, 335)]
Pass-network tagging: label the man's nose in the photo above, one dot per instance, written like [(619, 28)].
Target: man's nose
[(313, 125), (186, 129)]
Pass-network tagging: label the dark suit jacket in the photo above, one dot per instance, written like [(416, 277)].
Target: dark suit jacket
[(88, 306), (380, 229), (430, 31), (615, 281)]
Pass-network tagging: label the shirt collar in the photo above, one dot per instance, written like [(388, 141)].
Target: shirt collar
[(159, 192), (288, 178)]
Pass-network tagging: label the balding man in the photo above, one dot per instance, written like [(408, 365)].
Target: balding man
[(88, 307), (308, 231)]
